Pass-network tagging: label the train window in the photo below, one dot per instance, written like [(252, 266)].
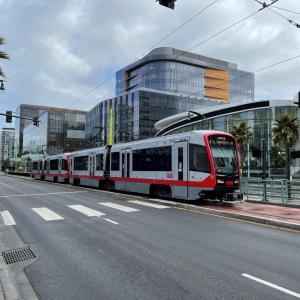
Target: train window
[(99, 162), (64, 165), (152, 159), (163, 159), (54, 164), (81, 163), (115, 161), (34, 165), (199, 161)]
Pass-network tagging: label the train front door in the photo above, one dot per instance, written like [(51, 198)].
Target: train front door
[(181, 169)]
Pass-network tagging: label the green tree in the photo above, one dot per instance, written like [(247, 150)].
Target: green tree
[(277, 160), (243, 136), (286, 135), (3, 55)]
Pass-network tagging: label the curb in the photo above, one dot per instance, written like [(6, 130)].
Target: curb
[(237, 216)]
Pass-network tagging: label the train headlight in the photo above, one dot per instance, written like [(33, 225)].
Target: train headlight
[(220, 181)]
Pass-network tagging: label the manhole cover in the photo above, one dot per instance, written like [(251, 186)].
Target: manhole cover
[(17, 255)]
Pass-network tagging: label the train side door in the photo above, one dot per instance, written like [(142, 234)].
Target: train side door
[(92, 164), (181, 169), (59, 166), (125, 164)]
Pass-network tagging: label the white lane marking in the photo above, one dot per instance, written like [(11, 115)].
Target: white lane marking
[(47, 214), (7, 218), (274, 286), (87, 211), (118, 206), (111, 221), (41, 194), (159, 206)]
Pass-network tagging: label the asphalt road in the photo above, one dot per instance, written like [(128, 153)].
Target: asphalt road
[(146, 253)]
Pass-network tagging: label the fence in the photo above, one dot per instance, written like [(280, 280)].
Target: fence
[(271, 190)]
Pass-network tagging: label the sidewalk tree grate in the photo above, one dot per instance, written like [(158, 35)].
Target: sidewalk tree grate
[(17, 255)]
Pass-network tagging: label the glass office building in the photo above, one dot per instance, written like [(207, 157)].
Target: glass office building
[(60, 130), (181, 72), (134, 115), (260, 116), (7, 145), (25, 111), (165, 82)]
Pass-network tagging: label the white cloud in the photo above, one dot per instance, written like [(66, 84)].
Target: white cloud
[(62, 49), (64, 59)]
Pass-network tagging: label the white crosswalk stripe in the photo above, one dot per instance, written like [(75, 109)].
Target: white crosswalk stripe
[(119, 207), (87, 211), (154, 205), (47, 214), (8, 220)]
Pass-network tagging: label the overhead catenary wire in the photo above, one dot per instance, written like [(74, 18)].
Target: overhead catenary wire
[(251, 73), (218, 33), (156, 44), (223, 30), (179, 27), (287, 19), (285, 9)]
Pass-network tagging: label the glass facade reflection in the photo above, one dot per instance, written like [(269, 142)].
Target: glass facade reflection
[(59, 131), (163, 83), (134, 115), (177, 71), (25, 111), (7, 145), (259, 116)]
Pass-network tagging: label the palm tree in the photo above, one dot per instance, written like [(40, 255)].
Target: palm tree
[(3, 55), (243, 136), (286, 135)]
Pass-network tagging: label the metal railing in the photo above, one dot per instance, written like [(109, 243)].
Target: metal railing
[(279, 191)]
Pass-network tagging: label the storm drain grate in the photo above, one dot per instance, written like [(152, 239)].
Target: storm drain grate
[(17, 255)]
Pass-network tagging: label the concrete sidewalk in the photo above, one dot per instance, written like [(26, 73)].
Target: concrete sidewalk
[(273, 215)]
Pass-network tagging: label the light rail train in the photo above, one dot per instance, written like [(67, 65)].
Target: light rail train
[(192, 165)]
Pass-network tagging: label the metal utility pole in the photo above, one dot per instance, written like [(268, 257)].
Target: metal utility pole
[(264, 170)]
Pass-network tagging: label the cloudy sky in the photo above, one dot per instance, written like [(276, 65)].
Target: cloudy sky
[(62, 50)]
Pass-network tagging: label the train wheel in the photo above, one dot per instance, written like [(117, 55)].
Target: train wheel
[(161, 191)]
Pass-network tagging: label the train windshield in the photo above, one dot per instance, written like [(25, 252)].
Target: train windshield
[(224, 154)]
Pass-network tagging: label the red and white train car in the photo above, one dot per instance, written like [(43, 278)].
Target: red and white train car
[(52, 168), (191, 165)]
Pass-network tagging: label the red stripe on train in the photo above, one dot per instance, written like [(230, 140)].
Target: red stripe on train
[(207, 182)]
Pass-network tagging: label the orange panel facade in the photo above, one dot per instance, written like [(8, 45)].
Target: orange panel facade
[(216, 84)]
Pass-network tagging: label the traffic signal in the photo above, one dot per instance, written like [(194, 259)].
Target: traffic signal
[(167, 3), (35, 121), (256, 152), (8, 116), (298, 103)]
